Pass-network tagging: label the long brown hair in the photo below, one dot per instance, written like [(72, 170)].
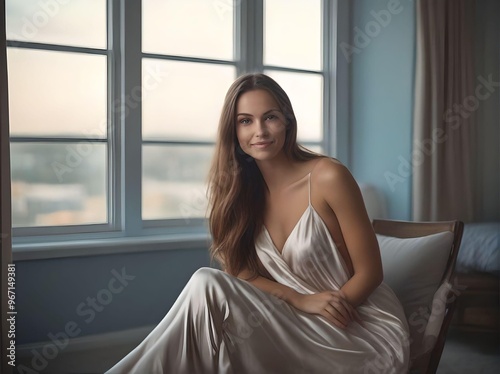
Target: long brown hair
[(236, 188)]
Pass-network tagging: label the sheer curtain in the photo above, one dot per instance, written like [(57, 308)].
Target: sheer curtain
[(5, 208), (444, 129)]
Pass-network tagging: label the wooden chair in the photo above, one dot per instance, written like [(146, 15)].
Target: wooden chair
[(404, 229)]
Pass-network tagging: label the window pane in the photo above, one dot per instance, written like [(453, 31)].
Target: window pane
[(57, 93), (197, 28), (79, 23), (186, 104), (58, 184), (306, 94), (315, 148), (174, 181), (292, 33)]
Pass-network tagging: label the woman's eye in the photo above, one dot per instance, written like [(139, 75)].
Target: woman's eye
[(244, 121), (271, 117)]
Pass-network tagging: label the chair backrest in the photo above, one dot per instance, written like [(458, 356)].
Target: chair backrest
[(405, 229)]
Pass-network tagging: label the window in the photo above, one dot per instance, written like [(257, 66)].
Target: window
[(293, 57), (193, 46), (58, 97), (114, 105)]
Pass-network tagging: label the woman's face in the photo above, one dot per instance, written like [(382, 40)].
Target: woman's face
[(260, 125)]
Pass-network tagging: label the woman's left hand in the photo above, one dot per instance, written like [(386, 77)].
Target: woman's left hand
[(330, 304)]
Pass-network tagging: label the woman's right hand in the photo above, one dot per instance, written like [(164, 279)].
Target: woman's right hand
[(330, 304)]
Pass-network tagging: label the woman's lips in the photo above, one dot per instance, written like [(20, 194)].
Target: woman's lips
[(261, 145)]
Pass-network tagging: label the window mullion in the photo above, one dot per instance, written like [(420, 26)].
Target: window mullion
[(114, 116), (240, 35), (328, 55), (258, 36), (339, 69), (250, 33), (130, 104)]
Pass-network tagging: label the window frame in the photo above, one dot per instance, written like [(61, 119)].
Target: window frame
[(42, 233), (126, 226)]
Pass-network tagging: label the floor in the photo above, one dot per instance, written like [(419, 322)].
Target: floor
[(470, 353)]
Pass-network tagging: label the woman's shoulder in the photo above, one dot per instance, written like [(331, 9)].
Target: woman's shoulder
[(334, 183), (332, 179), (329, 170)]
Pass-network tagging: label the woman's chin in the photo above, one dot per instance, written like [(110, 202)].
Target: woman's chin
[(265, 156)]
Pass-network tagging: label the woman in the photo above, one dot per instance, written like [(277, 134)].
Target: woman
[(301, 290)]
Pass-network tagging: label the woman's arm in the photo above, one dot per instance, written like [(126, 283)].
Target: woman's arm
[(342, 194), (329, 304), (272, 287)]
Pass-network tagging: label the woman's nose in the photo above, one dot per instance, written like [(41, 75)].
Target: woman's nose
[(261, 128)]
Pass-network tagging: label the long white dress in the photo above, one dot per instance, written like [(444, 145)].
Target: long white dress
[(222, 324)]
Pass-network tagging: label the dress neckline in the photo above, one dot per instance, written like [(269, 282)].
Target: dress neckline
[(309, 206), (321, 222)]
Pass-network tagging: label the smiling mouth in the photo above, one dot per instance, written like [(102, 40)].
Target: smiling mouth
[(262, 144)]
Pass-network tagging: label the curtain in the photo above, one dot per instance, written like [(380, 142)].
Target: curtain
[(5, 202), (444, 134)]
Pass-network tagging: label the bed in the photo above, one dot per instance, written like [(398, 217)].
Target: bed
[(477, 272)]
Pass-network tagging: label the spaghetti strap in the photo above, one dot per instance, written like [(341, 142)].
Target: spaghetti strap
[(309, 176)]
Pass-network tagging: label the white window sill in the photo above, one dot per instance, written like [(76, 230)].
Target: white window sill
[(95, 247)]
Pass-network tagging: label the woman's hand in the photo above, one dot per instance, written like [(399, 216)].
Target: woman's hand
[(330, 304)]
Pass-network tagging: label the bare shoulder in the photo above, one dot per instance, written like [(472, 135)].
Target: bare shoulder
[(329, 172), (335, 183)]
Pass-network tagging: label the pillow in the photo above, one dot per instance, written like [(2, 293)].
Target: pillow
[(413, 268)]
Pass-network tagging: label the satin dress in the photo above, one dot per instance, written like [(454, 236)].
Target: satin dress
[(223, 324)]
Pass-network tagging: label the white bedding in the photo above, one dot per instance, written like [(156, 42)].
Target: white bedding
[(480, 248)]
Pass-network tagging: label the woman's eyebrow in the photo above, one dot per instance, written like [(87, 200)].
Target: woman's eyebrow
[(251, 115)]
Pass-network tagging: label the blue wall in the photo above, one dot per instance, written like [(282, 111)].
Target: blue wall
[(51, 293), (382, 99)]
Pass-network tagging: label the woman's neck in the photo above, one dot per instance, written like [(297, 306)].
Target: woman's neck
[(279, 172)]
